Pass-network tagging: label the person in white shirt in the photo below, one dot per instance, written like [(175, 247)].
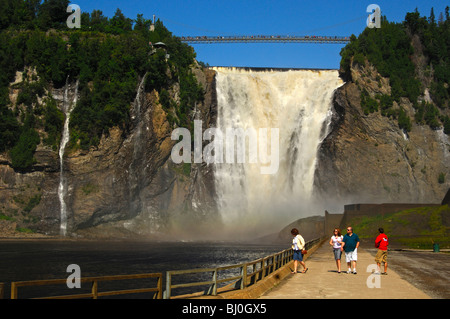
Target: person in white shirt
[(298, 244), (336, 242)]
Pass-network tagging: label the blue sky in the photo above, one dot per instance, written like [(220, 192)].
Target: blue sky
[(263, 17)]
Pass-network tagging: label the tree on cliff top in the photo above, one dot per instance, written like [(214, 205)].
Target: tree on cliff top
[(390, 50), (108, 56)]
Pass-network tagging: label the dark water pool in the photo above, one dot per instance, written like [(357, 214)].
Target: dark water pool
[(45, 259)]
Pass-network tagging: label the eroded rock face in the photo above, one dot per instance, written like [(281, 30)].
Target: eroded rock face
[(132, 184), (126, 186), (368, 158)]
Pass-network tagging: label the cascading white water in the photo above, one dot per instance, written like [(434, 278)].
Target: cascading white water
[(298, 103), (137, 144), (137, 118), (68, 107)]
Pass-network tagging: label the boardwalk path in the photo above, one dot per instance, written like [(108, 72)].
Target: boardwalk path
[(323, 281)]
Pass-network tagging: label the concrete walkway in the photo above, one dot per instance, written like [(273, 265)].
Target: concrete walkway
[(323, 282)]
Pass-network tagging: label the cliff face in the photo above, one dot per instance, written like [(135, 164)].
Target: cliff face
[(368, 158), (126, 186)]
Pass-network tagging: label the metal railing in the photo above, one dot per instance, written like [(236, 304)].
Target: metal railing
[(94, 289), (265, 38), (249, 273), (260, 269)]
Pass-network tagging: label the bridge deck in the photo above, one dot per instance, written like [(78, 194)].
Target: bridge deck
[(323, 282), (265, 39)]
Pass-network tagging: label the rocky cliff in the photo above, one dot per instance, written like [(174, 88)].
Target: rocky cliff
[(126, 186), (368, 158)]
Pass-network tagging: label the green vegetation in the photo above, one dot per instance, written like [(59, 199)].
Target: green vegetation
[(6, 217), (415, 228), (107, 55), (183, 169), (54, 121), (22, 152), (90, 188), (24, 230), (368, 104), (391, 50), (441, 178), (22, 215), (32, 203)]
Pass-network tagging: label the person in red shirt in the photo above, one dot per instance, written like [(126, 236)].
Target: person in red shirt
[(381, 242)]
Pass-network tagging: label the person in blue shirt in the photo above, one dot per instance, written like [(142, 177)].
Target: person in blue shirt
[(350, 244)]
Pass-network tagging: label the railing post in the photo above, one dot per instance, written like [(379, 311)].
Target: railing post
[(94, 289), (243, 283), (213, 289), (254, 277), (253, 272), (168, 284), (272, 266), (244, 277), (264, 267), (13, 290), (261, 276), (159, 287), (215, 282)]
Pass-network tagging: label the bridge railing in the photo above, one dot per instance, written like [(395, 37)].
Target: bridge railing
[(95, 293), (264, 38), (249, 273)]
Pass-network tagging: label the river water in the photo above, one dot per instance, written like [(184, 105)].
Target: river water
[(48, 259)]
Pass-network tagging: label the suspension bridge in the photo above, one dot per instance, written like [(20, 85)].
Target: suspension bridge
[(265, 39)]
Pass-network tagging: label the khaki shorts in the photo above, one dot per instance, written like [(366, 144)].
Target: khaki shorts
[(381, 256)]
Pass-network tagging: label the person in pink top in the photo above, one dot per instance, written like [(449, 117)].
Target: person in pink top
[(382, 243)]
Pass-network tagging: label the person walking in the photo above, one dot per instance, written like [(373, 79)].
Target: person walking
[(336, 241), (350, 244), (298, 244), (382, 243)]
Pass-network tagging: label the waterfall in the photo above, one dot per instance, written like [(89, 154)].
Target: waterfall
[(137, 144), (298, 103), (68, 107), (137, 117)]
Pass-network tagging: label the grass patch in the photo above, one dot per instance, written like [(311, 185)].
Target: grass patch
[(183, 169), (90, 188), (32, 203), (5, 217), (425, 242), (416, 228), (24, 230)]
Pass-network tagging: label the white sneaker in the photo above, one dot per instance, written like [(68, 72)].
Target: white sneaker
[(354, 271), (349, 271)]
